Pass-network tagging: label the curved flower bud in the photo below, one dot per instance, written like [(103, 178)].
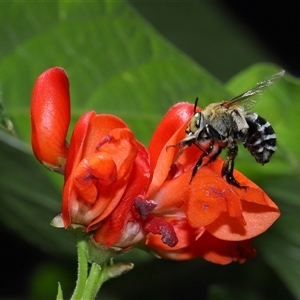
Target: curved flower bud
[(50, 118), (211, 217)]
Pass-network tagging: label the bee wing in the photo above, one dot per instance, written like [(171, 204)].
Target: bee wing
[(246, 99)]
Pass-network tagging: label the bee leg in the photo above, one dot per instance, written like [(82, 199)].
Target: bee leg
[(200, 160), (183, 146), (197, 166), (228, 166), (186, 142)]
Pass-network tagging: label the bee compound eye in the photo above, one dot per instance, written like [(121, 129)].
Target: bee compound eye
[(195, 123), (193, 126)]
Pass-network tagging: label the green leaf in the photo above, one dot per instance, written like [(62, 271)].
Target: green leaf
[(280, 245), (29, 200), (59, 293), (280, 107), (115, 61)]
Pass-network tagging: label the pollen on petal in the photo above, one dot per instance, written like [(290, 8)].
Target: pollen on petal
[(160, 226), (144, 207)]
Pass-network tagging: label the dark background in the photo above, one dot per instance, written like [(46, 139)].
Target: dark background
[(269, 31)]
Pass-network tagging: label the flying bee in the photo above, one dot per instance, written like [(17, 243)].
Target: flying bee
[(224, 124)]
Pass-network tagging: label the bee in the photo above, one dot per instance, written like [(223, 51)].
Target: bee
[(224, 124)]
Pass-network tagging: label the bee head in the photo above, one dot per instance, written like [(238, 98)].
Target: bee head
[(195, 124)]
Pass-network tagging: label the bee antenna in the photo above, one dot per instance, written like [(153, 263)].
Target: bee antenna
[(196, 103)]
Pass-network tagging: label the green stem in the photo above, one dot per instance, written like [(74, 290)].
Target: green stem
[(82, 268), (94, 281)]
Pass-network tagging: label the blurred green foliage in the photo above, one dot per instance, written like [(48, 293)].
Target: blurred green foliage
[(118, 63)]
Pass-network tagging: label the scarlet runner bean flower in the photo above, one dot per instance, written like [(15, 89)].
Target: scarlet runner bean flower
[(121, 194), (104, 166), (210, 217)]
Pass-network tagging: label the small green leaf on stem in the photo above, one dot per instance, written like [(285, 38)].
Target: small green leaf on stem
[(59, 293), (118, 269)]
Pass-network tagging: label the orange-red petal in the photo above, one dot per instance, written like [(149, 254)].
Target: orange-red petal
[(74, 157), (50, 117), (213, 250), (178, 115), (77, 142), (185, 233), (258, 211), (258, 218), (114, 226), (211, 196), (99, 128), (123, 150), (99, 144), (172, 195), (170, 132)]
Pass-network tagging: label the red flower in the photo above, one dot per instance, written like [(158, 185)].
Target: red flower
[(211, 218), (105, 167), (107, 187)]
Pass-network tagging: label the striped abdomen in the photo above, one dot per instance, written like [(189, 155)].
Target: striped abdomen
[(261, 138)]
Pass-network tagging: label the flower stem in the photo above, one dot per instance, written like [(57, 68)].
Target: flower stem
[(102, 268), (94, 281), (82, 268)]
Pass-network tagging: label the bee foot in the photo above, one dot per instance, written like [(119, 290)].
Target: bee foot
[(231, 180)]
